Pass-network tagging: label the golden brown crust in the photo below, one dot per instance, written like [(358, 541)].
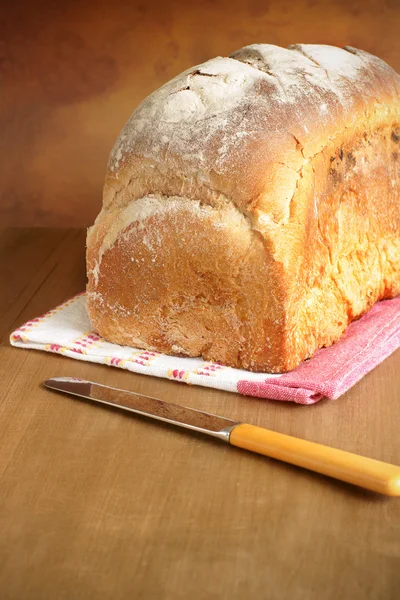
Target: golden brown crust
[(251, 208), (180, 284)]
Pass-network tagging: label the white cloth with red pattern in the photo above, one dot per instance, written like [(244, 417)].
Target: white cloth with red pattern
[(332, 371)]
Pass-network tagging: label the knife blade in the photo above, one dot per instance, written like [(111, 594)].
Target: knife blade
[(189, 418), (364, 472)]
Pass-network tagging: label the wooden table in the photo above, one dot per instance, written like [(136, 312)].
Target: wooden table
[(96, 504)]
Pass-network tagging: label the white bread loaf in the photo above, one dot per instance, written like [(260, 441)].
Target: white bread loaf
[(251, 208)]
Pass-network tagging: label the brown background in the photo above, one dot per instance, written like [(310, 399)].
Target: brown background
[(73, 72)]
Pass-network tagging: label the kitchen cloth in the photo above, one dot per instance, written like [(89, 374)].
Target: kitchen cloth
[(329, 373)]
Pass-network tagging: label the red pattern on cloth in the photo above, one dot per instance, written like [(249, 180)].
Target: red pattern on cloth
[(66, 330), (334, 370)]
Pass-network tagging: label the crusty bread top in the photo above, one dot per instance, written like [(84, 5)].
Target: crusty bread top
[(241, 129)]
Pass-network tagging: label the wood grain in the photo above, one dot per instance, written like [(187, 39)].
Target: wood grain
[(74, 71), (95, 504)]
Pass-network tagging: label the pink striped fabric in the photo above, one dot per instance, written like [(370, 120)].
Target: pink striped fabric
[(332, 371)]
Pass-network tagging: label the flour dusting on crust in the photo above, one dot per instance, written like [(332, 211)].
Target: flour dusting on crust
[(208, 113)]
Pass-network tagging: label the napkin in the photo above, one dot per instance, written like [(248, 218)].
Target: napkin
[(332, 371)]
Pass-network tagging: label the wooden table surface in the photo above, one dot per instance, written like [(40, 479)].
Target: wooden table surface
[(96, 504)]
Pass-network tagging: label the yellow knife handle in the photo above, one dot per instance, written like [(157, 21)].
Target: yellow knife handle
[(365, 472)]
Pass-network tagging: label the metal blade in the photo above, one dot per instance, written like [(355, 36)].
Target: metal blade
[(175, 414)]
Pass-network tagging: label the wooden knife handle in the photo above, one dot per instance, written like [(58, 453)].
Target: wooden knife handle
[(365, 472)]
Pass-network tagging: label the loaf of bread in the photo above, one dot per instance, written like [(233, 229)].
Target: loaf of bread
[(251, 208)]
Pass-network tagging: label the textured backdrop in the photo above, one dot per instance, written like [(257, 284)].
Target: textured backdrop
[(73, 71)]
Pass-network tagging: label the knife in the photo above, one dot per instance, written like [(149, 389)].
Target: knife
[(365, 472)]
